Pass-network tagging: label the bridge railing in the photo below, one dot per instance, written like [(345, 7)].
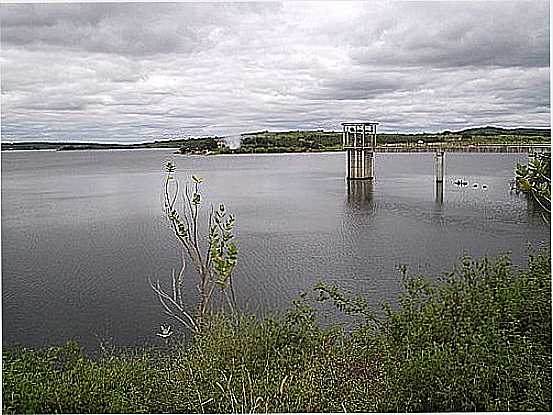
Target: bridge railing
[(454, 147)]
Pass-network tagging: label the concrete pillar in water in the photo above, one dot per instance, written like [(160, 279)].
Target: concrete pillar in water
[(359, 141), (439, 166), (369, 164)]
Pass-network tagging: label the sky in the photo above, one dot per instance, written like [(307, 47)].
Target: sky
[(132, 72)]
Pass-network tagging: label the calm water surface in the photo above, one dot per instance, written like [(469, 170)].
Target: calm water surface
[(82, 232)]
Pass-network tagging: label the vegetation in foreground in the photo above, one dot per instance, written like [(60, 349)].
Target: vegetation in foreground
[(479, 340), (534, 179)]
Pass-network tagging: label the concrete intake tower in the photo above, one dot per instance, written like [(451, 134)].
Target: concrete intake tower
[(359, 141)]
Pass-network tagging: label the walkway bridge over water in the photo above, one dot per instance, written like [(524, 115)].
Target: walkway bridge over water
[(359, 141), (473, 148)]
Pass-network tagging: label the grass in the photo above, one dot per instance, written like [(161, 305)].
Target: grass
[(478, 340)]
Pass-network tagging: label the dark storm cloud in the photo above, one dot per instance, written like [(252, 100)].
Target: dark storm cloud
[(132, 72)]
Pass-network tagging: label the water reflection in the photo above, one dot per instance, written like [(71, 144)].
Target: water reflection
[(535, 213), (439, 194), (437, 215), (361, 194)]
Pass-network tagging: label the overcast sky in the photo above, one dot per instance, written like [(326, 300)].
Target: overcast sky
[(134, 72)]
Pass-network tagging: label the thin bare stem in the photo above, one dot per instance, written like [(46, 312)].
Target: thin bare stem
[(185, 226), (165, 299)]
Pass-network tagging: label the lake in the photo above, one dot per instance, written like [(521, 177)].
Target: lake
[(83, 231)]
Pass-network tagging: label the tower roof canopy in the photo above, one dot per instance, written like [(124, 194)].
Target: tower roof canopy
[(360, 123)]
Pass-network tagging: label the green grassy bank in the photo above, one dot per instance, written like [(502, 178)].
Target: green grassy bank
[(480, 339)]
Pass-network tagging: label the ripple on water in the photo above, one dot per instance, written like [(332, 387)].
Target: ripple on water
[(82, 232)]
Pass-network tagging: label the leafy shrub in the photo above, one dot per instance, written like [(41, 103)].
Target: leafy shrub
[(481, 341), (534, 180), (62, 379), (478, 340)]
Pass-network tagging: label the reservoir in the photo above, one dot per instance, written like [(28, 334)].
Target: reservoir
[(83, 231)]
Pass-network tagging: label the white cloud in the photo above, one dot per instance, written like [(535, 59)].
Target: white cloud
[(134, 72)]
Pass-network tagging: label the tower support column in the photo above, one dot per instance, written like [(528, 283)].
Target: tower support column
[(439, 166)]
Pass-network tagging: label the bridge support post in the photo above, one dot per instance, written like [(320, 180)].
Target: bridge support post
[(439, 166)]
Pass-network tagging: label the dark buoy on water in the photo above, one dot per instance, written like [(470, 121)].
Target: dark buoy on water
[(484, 186)]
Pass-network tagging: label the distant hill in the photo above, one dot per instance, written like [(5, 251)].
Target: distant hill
[(43, 145), (489, 130), (66, 145), (314, 140)]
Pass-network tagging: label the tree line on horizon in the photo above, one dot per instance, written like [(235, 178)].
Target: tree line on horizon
[(309, 140)]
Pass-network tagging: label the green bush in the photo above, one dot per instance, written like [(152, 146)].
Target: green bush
[(63, 380), (481, 341), (534, 180), (478, 340)]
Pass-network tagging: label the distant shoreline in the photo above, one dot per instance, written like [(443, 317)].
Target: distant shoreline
[(465, 149), (80, 150), (309, 141)]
